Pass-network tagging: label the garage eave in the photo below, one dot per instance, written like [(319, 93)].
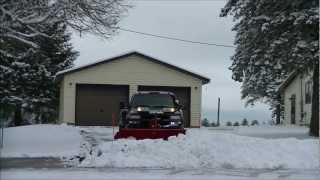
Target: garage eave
[(60, 74)]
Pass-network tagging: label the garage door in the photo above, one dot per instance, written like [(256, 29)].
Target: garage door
[(182, 93), (95, 104)]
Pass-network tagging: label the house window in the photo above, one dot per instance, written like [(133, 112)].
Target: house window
[(308, 92)]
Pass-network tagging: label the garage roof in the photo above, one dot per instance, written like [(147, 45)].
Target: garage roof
[(204, 79)]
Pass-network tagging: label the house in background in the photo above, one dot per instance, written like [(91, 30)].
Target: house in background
[(90, 95), (296, 92)]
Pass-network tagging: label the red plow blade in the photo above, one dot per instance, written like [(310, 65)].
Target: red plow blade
[(148, 133)]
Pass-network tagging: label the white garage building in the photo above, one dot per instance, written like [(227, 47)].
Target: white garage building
[(90, 94)]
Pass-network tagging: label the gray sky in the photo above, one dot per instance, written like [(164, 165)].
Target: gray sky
[(198, 21)]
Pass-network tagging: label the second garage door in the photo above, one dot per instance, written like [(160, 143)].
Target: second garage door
[(182, 93), (95, 104)]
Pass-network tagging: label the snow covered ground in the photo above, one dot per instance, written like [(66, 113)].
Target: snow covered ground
[(41, 141), (266, 131), (225, 153), (274, 132)]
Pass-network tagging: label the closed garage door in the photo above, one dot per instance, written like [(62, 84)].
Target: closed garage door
[(95, 104), (182, 93)]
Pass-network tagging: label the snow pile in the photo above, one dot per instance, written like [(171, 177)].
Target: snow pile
[(204, 148), (41, 141)]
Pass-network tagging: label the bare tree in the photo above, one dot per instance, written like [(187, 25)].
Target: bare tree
[(21, 21)]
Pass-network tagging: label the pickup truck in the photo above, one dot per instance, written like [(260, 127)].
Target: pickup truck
[(152, 110)]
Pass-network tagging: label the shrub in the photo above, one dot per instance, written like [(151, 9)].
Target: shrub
[(236, 123), (254, 123)]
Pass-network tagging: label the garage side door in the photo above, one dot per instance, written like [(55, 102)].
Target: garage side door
[(182, 93), (95, 104)]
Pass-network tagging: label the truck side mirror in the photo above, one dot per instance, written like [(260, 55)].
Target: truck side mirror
[(176, 101)]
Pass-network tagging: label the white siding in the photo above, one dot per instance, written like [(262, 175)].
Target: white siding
[(132, 71), (297, 87)]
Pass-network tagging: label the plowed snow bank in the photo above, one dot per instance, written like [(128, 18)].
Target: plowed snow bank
[(204, 148)]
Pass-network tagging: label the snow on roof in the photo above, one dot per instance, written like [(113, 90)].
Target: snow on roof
[(105, 60)]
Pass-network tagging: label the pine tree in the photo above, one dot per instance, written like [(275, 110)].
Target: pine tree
[(205, 122), (273, 39), (244, 122), (55, 54), (27, 83)]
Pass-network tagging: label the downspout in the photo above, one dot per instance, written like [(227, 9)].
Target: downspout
[(301, 100)]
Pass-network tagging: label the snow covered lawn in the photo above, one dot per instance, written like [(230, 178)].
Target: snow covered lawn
[(41, 141), (275, 132)]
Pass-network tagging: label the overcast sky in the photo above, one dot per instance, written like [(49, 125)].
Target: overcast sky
[(198, 21)]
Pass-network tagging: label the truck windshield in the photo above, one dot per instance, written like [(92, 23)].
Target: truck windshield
[(152, 100)]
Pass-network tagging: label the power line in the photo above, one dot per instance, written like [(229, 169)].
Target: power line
[(178, 0), (174, 38)]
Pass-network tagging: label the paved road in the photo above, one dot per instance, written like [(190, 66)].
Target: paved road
[(157, 174), (8, 163)]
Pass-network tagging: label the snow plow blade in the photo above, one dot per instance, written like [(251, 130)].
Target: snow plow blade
[(140, 134)]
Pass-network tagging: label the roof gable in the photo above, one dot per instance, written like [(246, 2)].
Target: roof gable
[(204, 80)]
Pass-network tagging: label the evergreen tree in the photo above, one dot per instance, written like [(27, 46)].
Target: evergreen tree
[(244, 122), (55, 54), (236, 123), (273, 39), (229, 123), (205, 122), (27, 83)]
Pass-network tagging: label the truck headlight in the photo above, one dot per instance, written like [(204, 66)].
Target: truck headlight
[(175, 117), (169, 109), (173, 123), (139, 109)]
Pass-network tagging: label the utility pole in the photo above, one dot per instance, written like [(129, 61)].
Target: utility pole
[(218, 114)]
